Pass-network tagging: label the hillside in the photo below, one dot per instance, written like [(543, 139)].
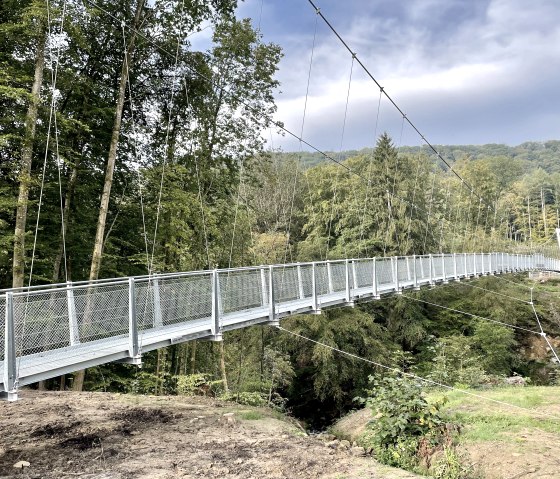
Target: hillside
[(111, 436)]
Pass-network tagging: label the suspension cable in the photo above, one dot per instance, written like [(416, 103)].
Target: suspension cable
[(415, 376)]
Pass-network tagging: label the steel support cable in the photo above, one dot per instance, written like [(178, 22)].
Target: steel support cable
[(333, 204), (52, 113), (268, 119), (413, 200), (429, 213), (370, 75), (303, 118), (496, 293), (542, 333), (370, 170), (135, 145), (166, 152), (465, 313), (414, 376)]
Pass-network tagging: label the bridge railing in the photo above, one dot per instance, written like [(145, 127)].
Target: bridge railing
[(55, 318)]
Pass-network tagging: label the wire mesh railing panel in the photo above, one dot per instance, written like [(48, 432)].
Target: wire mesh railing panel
[(461, 267), (470, 264), (437, 262), (2, 326), (146, 295), (184, 299), (478, 262), (240, 290), (102, 311), (422, 268), (41, 322), (384, 271), (286, 284), (404, 269), (306, 272), (449, 264), (322, 278), (364, 273), (338, 276)]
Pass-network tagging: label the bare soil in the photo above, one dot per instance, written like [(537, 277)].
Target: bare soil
[(111, 436)]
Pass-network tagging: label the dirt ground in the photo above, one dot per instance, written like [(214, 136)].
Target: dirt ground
[(111, 436)]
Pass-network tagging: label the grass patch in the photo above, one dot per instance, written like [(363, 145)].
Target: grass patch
[(251, 415), (488, 421)]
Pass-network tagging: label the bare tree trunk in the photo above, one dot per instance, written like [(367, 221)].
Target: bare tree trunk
[(193, 357), (223, 366), (104, 206), (26, 158)]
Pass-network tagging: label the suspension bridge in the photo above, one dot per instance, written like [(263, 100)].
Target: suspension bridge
[(50, 330)]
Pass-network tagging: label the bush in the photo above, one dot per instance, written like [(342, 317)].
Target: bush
[(407, 430)]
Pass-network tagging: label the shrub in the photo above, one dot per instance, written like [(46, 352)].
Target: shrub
[(407, 430)]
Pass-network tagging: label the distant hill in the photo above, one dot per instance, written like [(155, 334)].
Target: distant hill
[(534, 153)]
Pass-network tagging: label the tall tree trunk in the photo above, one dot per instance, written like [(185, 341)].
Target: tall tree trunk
[(223, 366), (104, 206), (193, 357), (26, 158)]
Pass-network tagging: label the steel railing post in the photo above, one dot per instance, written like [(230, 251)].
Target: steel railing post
[(443, 272), (315, 300), (72, 318), (355, 276), (347, 279), (455, 272), (158, 318), (395, 261), (216, 329), (466, 261), (271, 301), (264, 288), (10, 365), (474, 264), (300, 282), (374, 280), (415, 278), (329, 277), (431, 264), (133, 349)]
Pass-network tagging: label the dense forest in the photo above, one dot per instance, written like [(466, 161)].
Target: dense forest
[(123, 151)]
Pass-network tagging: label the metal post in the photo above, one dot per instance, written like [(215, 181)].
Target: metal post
[(415, 279), (72, 319), (133, 350), (314, 288), (347, 279), (271, 306), (158, 318), (482, 264), (395, 261), (443, 269), (465, 258), (329, 277), (355, 276), (216, 330), (300, 282), (374, 281), (455, 273), (430, 259), (264, 289), (10, 371), (474, 264)]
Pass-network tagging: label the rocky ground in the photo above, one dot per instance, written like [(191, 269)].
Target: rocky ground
[(110, 436)]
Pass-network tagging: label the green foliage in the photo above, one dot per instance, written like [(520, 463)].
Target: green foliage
[(408, 431), (247, 398)]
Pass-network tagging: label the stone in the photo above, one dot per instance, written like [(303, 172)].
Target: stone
[(344, 444), (21, 464), (333, 443), (358, 451)]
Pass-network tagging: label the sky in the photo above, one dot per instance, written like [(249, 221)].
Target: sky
[(463, 71)]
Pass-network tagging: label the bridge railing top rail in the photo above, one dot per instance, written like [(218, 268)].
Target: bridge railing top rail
[(165, 276)]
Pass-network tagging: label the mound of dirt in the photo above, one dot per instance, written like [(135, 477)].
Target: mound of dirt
[(110, 436)]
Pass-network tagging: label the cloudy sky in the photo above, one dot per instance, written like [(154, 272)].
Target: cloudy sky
[(464, 71)]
